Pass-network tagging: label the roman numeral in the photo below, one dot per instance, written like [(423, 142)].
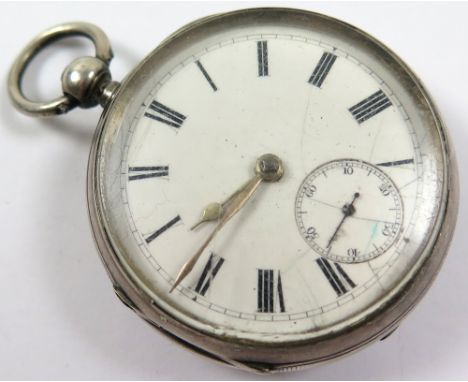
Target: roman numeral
[(147, 172), (371, 106), (262, 56), (206, 75), (209, 272), (163, 229), (163, 114), (321, 70), (266, 291), (396, 163), (336, 276)]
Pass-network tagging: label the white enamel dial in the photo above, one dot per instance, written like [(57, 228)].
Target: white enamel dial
[(349, 211), (200, 124)]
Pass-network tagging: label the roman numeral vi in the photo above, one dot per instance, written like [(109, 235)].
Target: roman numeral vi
[(267, 289)]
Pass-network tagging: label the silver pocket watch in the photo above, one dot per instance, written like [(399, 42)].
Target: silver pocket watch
[(270, 187)]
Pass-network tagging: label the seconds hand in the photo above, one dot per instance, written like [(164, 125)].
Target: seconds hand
[(348, 210)]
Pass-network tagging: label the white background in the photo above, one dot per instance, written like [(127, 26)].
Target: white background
[(59, 318)]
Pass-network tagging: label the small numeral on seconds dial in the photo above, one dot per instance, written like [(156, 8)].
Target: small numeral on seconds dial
[(163, 114), (336, 276), (209, 272), (266, 291)]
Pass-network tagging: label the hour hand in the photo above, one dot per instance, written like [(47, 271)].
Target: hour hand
[(215, 210), (212, 211)]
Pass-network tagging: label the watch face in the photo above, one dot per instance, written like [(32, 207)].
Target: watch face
[(314, 251)]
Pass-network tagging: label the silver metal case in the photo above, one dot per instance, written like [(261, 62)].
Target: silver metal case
[(255, 356)]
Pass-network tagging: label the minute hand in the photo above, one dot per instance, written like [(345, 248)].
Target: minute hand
[(235, 205)]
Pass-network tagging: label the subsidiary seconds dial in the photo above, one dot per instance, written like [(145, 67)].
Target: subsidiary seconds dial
[(349, 211)]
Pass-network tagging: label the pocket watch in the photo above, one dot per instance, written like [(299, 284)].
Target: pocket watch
[(270, 187)]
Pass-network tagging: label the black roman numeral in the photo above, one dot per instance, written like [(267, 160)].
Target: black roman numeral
[(144, 172), (371, 106), (321, 70), (396, 163), (163, 229), (262, 56), (266, 291), (206, 75), (163, 114), (209, 272), (336, 276)]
